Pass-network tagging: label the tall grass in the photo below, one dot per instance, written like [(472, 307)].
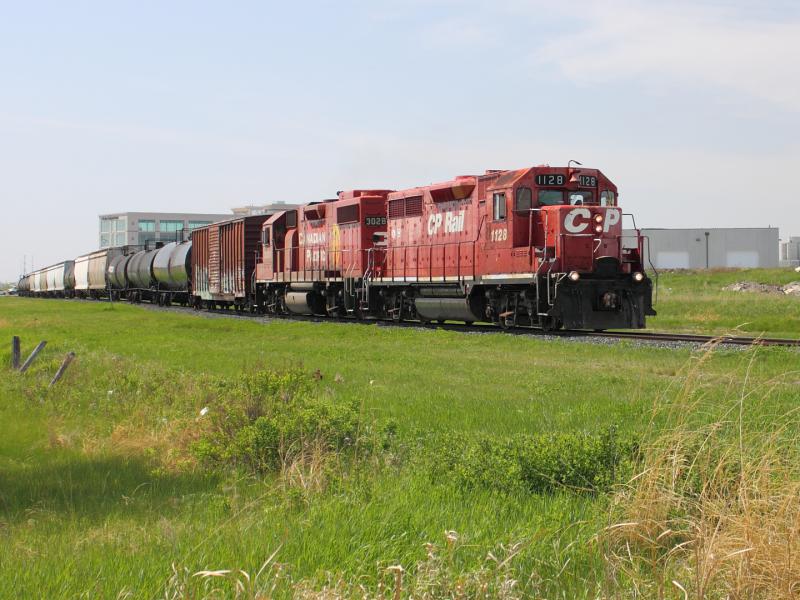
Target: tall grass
[(714, 511), (495, 482)]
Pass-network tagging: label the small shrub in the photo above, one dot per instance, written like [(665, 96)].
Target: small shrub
[(534, 463), (270, 420)]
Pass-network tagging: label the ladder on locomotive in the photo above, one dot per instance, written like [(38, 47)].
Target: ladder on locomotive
[(545, 260), (361, 294)]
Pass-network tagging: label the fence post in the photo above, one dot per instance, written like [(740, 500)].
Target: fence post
[(15, 352), (33, 356), (67, 360)]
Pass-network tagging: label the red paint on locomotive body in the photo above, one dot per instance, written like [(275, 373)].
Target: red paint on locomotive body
[(504, 224)]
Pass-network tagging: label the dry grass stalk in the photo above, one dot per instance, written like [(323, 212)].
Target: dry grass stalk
[(715, 509)]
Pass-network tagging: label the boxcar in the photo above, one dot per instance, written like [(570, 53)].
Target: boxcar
[(224, 257)]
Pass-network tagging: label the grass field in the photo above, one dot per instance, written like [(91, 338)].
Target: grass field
[(102, 492), (695, 301)]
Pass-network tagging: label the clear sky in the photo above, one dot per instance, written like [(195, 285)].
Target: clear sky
[(692, 108)]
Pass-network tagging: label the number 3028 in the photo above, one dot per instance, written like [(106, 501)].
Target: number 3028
[(499, 235)]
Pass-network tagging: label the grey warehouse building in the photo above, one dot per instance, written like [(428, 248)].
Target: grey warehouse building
[(139, 228), (711, 248)]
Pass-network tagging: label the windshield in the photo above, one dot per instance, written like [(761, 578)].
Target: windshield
[(580, 198), (550, 197)]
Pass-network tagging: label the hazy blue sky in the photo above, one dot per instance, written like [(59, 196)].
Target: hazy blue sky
[(692, 108)]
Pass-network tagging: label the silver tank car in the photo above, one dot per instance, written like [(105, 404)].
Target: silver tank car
[(172, 265), (140, 270)]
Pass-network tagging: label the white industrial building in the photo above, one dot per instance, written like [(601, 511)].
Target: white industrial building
[(262, 209), (140, 228), (790, 252), (745, 247)]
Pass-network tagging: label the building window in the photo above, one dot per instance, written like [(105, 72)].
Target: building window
[(105, 225), (196, 224), (147, 225), (120, 239), (104, 240), (170, 226), (499, 206)]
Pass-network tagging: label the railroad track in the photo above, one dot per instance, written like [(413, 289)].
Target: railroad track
[(693, 338), (650, 336)]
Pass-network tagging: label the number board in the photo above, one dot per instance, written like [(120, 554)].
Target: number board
[(588, 181), (374, 221), (550, 179)]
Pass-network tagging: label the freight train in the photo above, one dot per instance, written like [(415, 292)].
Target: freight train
[(536, 247)]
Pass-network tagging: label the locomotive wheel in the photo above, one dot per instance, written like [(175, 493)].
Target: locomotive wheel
[(549, 324), (397, 315)]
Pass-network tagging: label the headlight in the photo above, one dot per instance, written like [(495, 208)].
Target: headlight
[(599, 218), (574, 275), (638, 277), (598, 228)]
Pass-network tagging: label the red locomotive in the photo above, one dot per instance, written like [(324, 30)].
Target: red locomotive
[(540, 247)]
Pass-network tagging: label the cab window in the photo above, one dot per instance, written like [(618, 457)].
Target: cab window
[(522, 201), (607, 198), (499, 206), (265, 237), (580, 198), (551, 197)]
